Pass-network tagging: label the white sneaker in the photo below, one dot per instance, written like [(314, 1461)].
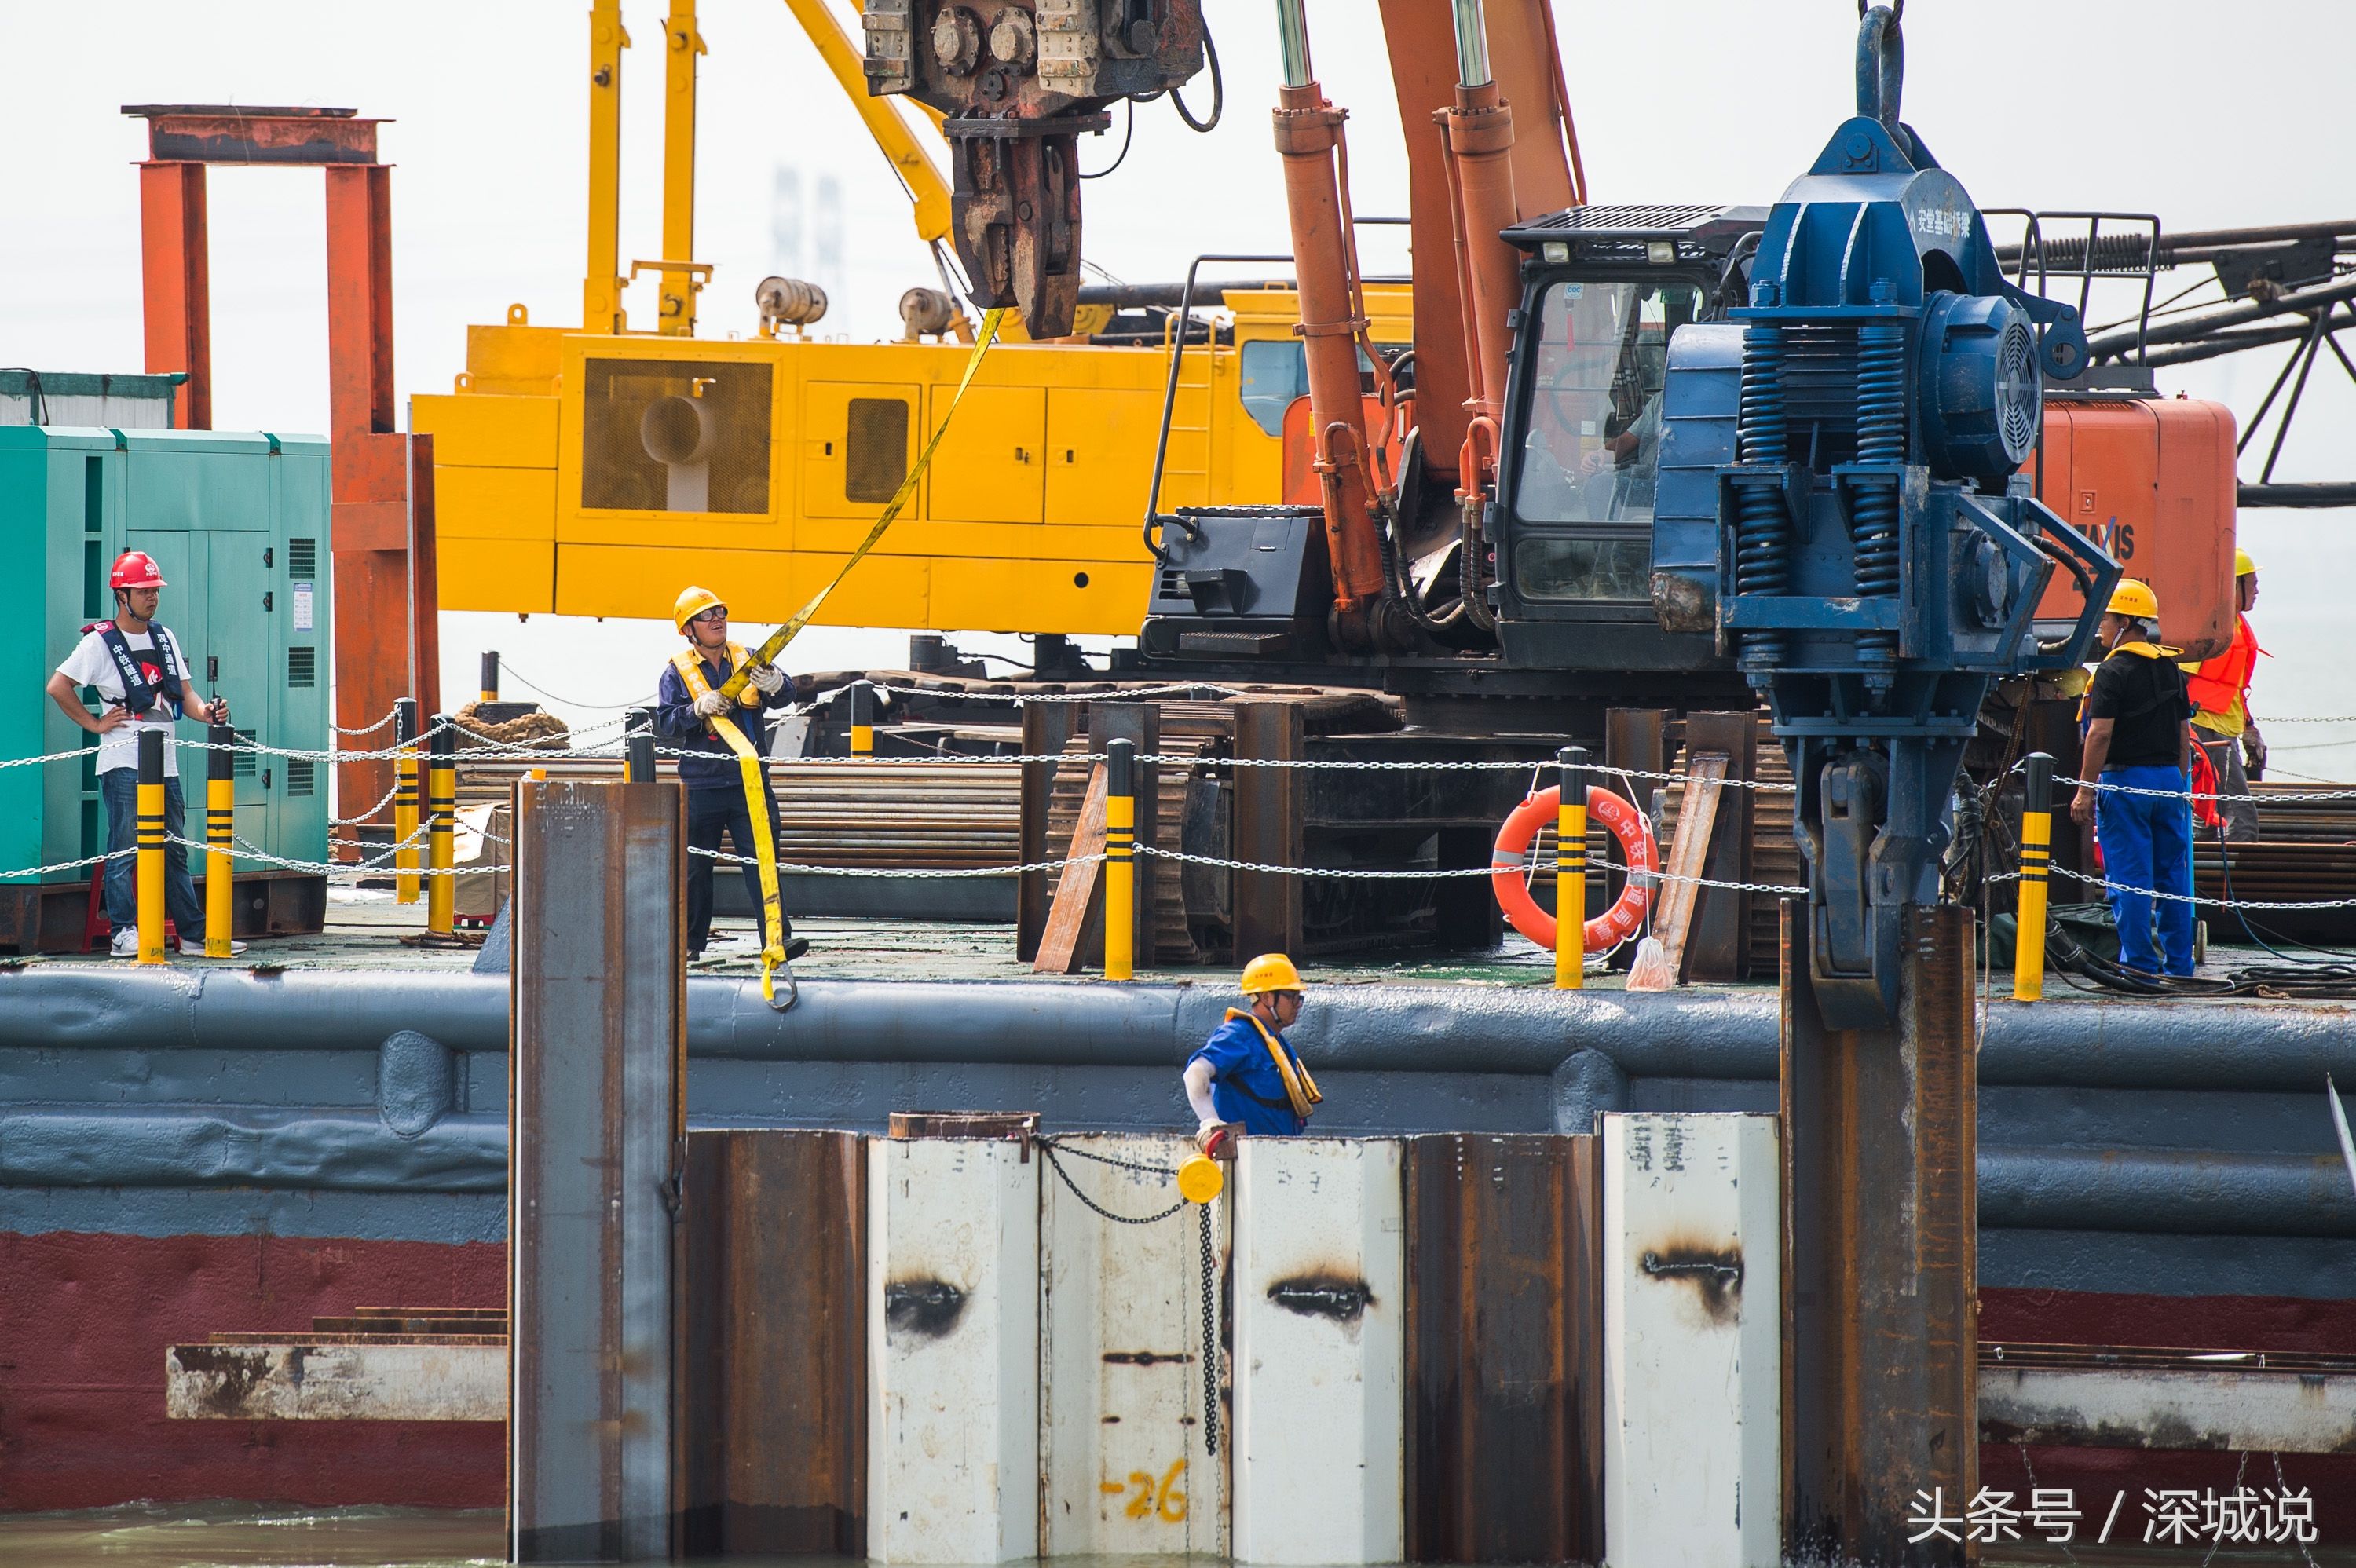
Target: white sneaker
[(127, 943), (195, 949)]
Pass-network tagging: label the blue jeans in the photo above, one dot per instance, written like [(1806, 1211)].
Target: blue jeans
[(2148, 843), (120, 787)]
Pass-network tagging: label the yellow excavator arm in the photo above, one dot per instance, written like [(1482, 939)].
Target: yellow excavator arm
[(927, 187)]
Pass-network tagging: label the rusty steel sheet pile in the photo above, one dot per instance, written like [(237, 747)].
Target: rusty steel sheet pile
[(597, 1114)]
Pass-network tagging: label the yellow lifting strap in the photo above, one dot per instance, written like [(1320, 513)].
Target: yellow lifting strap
[(740, 674), (1299, 1087), (768, 651), (757, 806)]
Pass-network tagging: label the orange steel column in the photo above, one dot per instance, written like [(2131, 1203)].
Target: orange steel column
[(1423, 77), (1308, 131), (1480, 130), (376, 597), (175, 285)]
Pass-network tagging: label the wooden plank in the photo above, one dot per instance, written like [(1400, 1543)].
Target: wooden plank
[(1059, 944), (1717, 941), (1046, 726), (1688, 851)]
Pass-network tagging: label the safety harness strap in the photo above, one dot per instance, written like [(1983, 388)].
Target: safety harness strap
[(756, 806), (1300, 1089), (139, 693)]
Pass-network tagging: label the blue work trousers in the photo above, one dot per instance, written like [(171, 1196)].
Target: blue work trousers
[(710, 813), (2148, 844), (120, 787)]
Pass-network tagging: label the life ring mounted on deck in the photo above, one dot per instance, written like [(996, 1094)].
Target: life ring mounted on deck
[(1638, 848)]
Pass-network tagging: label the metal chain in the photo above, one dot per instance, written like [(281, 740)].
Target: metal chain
[(368, 728), (2108, 886), (918, 872), (2204, 795), (1370, 874), (1137, 1166), (124, 853), (371, 811), (1211, 1345), (1047, 1149)]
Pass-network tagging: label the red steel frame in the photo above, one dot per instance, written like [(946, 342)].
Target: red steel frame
[(383, 497)]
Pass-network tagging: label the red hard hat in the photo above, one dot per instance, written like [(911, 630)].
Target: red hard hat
[(135, 568)]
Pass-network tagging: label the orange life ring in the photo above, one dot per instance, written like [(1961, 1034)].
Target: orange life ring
[(1638, 848)]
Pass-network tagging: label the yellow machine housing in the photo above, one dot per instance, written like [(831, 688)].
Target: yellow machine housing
[(590, 474)]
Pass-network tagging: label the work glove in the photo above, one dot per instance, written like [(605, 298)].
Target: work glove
[(710, 703), (768, 677), (1217, 1139), (2254, 753)]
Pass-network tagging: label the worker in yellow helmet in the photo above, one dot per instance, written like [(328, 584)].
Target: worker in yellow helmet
[(2225, 728), (687, 698), (1247, 1078), (2137, 745)]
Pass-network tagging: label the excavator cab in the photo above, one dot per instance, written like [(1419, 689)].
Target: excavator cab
[(1583, 498)]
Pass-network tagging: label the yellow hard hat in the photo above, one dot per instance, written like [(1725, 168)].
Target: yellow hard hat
[(2135, 599), (1270, 972), (2243, 565), (694, 602)]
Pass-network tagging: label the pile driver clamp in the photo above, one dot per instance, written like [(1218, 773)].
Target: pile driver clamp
[(1017, 82), (1880, 554)]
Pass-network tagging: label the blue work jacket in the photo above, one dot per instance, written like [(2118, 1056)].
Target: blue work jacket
[(711, 764), (1246, 1087)]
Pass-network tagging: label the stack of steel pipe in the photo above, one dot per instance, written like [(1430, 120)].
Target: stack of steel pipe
[(2305, 851), (893, 817)]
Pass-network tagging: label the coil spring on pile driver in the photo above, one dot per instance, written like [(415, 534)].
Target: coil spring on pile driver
[(1763, 544), (1880, 437)]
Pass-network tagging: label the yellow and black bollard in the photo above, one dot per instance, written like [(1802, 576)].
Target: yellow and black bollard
[(440, 821), (638, 750), (1570, 869), (405, 854), (2036, 867), (490, 688), (220, 834), (150, 807), (1121, 860), (863, 719)]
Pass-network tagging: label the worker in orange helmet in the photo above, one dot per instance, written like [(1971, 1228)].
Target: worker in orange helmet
[(142, 676), (1247, 1078), (2224, 728)]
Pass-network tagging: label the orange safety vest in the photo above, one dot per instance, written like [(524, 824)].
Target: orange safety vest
[(2217, 684)]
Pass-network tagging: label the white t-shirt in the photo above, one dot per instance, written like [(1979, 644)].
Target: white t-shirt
[(90, 665)]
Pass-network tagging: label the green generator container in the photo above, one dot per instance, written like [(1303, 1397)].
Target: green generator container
[(239, 524)]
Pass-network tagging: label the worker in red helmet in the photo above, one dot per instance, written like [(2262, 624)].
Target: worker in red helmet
[(142, 676)]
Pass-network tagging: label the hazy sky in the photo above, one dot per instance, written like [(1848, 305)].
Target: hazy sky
[(2157, 105)]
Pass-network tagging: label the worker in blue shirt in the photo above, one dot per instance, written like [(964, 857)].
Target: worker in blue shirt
[(1247, 1078), (687, 698)]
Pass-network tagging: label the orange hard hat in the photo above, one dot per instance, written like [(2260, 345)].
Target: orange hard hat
[(135, 568)]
